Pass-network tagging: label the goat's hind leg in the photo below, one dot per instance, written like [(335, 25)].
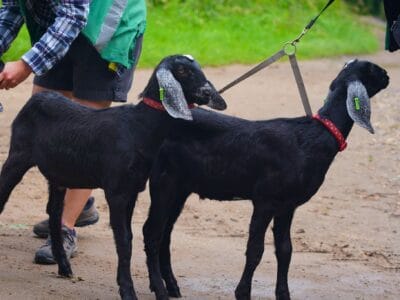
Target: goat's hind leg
[(283, 252), (255, 248), (11, 174), (153, 230), (54, 209), (165, 253)]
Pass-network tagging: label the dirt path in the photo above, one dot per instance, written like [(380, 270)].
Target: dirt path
[(346, 239)]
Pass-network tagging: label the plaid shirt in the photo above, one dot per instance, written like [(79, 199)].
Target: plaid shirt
[(62, 19)]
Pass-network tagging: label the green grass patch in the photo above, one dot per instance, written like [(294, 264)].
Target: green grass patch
[(18, 47), (226, 32), (221, 32)]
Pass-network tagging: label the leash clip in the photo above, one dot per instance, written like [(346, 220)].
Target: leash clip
[(291, 51), (297, 40)]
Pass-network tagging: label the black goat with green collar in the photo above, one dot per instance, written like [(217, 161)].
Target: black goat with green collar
[(278, 164), (113, 149)]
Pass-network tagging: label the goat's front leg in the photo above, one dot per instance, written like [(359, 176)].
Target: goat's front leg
[(121, 210), (54, 209), (255, 248), (283, 252)]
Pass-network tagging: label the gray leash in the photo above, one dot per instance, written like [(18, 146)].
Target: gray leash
[(254, 70), (291, 53), (300, 85)]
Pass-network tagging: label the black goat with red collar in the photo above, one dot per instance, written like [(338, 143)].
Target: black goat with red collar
[(113, 149), (278, 164)]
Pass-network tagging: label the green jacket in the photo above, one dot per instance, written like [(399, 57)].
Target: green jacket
[(113, 27)]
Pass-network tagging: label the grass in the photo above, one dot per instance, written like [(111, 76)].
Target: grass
[(18, 47), (223, 32)]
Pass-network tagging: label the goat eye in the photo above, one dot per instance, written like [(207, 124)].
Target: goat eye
[(181, 72), (184, 72)]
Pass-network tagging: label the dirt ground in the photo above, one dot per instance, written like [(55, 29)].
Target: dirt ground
[(346, 239)]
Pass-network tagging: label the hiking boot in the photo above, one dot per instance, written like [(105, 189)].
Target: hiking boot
[(44, 255), (88, 216)]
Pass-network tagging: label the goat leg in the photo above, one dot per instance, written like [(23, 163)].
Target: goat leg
[(55, 208), (165, 253), (166, 268), (121, 210), (283, 252), (152, 234), (12, 172), (255, 248)]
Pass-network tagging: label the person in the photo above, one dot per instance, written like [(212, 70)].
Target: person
[(392, 12), (85, 49)]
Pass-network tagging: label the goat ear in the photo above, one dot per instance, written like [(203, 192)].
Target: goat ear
[(358, 105), (173, 99)]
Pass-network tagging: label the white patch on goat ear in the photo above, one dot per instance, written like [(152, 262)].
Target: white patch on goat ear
[(188, 56), (173, 99), (358, 105)]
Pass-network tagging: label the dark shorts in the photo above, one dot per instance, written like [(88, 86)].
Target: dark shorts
[(87, 75)]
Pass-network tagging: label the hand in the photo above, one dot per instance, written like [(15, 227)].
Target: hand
[(14, 73)]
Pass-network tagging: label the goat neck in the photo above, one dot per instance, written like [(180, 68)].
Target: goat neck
[(152, 95), (335, 110)]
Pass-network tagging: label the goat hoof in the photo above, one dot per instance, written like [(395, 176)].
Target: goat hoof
[(283, 296), (242, 297), (174, 292), (159, 295), (66, 275), (162, 297), (242, 294), (128, 296), (65, 272)]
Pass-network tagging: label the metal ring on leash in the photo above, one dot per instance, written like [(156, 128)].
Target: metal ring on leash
[(290, 51)]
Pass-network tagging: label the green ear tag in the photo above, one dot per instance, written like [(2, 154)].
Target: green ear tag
[(161, 94), (357, 103)]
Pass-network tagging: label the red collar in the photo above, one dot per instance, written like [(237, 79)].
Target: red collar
[(333, 130), (157, 105)]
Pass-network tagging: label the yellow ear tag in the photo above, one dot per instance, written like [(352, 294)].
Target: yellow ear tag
[(162, 94), (357, 103)]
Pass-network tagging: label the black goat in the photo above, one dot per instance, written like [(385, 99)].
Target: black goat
[(279, 164), (113, 149)]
